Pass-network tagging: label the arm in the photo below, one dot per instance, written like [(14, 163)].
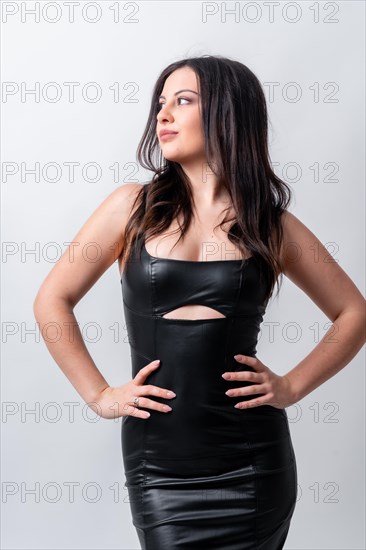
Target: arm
[(70, 279), (331, 289)]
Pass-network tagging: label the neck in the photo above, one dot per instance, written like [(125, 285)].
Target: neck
[(206, 189)]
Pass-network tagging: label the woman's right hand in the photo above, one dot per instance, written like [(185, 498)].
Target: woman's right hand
[(116, 402)]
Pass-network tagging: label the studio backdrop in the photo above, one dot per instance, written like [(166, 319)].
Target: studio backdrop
[(77, 79)]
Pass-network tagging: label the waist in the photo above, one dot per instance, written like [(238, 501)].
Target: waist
[(203, 420), (191, 436)]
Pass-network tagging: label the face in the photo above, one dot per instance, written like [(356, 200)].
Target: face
[(180, 112)]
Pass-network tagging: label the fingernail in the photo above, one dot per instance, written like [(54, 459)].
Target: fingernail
[(170, 394), (156, 362), (226, 375)]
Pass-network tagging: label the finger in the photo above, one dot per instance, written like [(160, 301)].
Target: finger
[(243, 375), (151, 404), (248, 360), (145, 371), (149, 389), (130, 409), (252, 403), (248, 390)]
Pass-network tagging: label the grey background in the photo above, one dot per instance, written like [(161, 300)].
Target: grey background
[(318, 48)]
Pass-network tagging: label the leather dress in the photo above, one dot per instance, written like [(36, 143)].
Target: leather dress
[(204, 475)]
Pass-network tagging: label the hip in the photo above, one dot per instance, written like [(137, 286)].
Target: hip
[(202, 443)]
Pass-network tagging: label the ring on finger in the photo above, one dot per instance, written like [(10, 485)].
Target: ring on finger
[(136, 401)]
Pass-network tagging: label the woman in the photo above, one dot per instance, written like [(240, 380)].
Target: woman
[(215, 469)]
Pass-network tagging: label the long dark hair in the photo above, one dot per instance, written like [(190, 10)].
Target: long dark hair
[(235, 120)]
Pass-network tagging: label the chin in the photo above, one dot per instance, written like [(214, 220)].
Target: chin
[(173, 158)]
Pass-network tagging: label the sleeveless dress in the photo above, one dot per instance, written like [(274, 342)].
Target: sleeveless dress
[(204, 475)]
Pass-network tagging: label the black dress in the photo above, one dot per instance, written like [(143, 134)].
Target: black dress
[(204, 475)]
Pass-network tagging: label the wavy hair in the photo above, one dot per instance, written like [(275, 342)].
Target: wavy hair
[(235, 124)]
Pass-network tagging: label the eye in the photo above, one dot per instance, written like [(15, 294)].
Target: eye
[(184, 99), (160, 105)]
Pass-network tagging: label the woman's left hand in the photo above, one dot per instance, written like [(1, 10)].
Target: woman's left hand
[(276, 389)]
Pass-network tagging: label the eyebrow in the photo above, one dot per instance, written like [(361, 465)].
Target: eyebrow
[(179, 91)]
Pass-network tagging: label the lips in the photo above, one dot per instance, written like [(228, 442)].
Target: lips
[(166, 134), (166, 137)]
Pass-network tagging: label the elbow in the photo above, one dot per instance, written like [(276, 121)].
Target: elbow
[(38, 304), (45, 305)]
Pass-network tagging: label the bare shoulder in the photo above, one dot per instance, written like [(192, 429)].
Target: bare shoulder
[(300, 245), (309, 265), (121, 200), (95, 247)]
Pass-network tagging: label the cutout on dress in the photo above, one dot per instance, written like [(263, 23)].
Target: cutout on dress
[(193, 312)]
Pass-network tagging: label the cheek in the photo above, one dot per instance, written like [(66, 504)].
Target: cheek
[(193, 121), (197, 131)]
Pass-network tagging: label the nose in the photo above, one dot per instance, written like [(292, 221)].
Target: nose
[(164, 114)]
